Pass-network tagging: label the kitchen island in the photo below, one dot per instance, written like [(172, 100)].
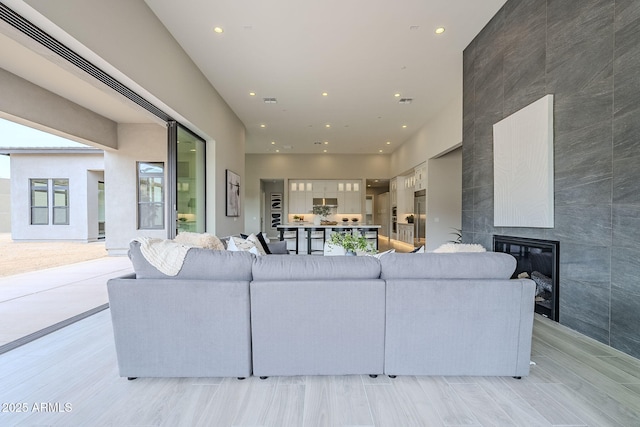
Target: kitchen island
[(305, 237)]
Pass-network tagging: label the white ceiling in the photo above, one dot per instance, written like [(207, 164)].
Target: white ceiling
[(361, 52)]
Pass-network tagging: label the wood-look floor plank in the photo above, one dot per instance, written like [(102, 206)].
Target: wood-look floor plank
[(336, 401), (555, 412), (388, 410), (593, 394), (418, 405), (450, 407), (518, 409), (483, 407), (576, 381)]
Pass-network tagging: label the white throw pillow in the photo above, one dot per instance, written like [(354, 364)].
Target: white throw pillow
[(238, 244), (256, 242), (381, 254), (460, 247)]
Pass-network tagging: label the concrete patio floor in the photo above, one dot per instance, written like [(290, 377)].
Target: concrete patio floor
[(36, 303)]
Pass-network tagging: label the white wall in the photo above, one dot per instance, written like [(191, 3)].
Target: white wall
[(5, 205), (136, 142), (444, 198), (71, 166), (117, 32), (304, 166), (441, 134), (28, 104)]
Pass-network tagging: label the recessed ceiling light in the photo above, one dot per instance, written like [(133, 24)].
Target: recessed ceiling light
[(327, 125), (397, 95), (273, 143), (379, 151), (324, 151), (277, 151), (439, 30), (388, 142), (218, 30), (326, 143), (252, 94), (404, 126), (325, 94), (262, 125)]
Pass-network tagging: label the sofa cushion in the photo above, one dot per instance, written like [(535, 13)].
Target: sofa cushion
[(465, 265), (285, 267), (200, 264)]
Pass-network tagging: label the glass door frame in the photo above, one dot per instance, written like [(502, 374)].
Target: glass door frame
[(172, 176)]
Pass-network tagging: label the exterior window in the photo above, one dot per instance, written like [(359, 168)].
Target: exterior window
[(60, 202), (39, 201), (150, 195)]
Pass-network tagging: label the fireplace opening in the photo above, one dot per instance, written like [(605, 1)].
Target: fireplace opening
[(538, 260)]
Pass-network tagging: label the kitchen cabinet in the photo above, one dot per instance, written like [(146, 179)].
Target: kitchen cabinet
[(393, 191), (300, 196), (349, 197), (405, 233), (420, 177)]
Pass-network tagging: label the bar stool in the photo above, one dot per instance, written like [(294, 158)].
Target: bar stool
[(289, 234), (370, 234), (315, 234)]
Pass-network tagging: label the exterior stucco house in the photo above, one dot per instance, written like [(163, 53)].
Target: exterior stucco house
[(56, 194)]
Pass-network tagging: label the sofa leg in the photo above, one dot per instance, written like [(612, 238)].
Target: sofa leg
[(373, 376), (263, 378), (132, 378), (392, 376), (241, 378), (517, 378)]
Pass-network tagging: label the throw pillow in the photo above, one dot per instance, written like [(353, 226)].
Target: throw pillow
[(460, 247), (256, 242), (200, 240), (381, 254), (239, 244), (263, 241)]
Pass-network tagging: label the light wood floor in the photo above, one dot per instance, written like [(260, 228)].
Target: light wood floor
[(575, 382)]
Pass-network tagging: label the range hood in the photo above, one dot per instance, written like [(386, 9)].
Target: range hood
[(329, 201)]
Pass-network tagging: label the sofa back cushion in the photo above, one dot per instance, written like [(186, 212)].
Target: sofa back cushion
[(465, 265), (199, 264), (286, 267)]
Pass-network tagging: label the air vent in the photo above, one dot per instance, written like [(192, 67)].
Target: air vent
[(270, 100), (405, 100)]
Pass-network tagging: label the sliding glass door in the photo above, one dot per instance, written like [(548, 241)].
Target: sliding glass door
[(190, 182)]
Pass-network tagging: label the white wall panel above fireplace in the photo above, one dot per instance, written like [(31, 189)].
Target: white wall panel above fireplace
[(523, 167)]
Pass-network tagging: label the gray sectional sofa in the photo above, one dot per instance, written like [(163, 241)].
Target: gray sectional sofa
[(234, 314)]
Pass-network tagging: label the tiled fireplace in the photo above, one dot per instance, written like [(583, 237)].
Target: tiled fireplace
[(539, 260)]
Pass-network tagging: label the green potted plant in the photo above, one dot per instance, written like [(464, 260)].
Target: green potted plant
[(351, 243)]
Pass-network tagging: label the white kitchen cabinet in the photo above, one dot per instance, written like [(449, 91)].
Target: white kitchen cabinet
[(405, 233), (349, 197), (300, 196), (420, 177)]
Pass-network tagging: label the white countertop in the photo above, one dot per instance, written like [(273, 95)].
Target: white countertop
[(310, 224)]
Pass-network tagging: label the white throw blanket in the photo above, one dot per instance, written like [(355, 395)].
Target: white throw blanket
[(165, 255)]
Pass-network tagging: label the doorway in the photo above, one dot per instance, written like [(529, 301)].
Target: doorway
[(271, 205)]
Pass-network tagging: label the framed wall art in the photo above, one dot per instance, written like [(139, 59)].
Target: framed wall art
[(233, 193)]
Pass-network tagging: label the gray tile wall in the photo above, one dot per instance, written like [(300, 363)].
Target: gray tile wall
[(586, 53)]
